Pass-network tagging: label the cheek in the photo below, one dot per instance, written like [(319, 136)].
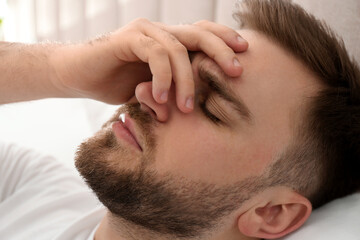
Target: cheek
[(197, 151)]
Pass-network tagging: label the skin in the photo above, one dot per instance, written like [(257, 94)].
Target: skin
[(274, 86), (268, 71), (109, 68)]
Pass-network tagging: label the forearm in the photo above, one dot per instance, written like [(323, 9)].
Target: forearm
[(108, 69), (26, 73)]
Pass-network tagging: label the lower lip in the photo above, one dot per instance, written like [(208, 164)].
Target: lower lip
[(121, 132)]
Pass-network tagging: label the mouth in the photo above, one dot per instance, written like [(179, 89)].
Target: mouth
[(124, 130)]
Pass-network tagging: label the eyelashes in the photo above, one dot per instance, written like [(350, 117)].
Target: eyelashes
[(203, 101)]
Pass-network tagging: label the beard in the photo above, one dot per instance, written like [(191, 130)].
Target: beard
[(126, 183)]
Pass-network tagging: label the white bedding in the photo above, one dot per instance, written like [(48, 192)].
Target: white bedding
[(338, 220)]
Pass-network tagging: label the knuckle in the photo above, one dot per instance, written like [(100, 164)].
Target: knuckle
[(197, 41), (161, 25), (148, 42), (158, 49), (200, 33), (202, 22), (140, 21), (179, 48), (212, 55), (224, 53), (187, 25), (171, 38)]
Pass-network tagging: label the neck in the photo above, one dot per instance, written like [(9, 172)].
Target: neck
[(106, 230), (125, 231), (122, 230)]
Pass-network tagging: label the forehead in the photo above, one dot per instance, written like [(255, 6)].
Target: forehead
[(266, 59), (276, 87)]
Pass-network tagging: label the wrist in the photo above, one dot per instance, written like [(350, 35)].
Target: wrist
[(59, 69)]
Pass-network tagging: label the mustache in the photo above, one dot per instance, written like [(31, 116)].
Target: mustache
[(143, 120), (140, 117), (133, 109)]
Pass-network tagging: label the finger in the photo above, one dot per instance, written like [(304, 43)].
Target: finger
[(143, 94), (196, 38), (232, 38), (159, 63), (184, 83), (162, 75), (180, 65)]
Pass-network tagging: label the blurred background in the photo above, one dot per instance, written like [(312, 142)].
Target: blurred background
[(58, 126)]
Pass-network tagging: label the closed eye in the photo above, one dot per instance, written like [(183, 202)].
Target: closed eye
[(203, 101)]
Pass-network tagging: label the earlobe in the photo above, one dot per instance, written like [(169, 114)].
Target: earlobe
[(277, 218)]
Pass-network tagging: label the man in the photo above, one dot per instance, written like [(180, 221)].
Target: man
[(265, 135)]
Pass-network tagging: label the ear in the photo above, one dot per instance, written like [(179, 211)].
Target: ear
[(275, 217)]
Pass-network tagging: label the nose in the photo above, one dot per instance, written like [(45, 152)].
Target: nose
[(143, 94)]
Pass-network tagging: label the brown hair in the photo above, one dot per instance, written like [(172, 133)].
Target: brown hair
[(324, 162)]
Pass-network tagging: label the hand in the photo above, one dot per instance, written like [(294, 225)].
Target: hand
[(110, 67)]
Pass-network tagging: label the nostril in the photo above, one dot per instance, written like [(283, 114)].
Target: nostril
[(147, 109), (159, 112)]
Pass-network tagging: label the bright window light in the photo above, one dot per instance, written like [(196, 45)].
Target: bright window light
[(3, 10)]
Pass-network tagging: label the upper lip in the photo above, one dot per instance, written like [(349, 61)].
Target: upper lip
[(129, 124)]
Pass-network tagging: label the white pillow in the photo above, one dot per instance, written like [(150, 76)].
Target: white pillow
[(337, 220)]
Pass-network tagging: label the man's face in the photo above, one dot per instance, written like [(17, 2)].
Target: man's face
[(194, 170)]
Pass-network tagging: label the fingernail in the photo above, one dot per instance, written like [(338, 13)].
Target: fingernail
[(236, 62), (164, 96), (240, 39), (189, 103)]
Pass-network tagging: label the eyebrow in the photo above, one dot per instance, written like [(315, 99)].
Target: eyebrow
[(225, 92)]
